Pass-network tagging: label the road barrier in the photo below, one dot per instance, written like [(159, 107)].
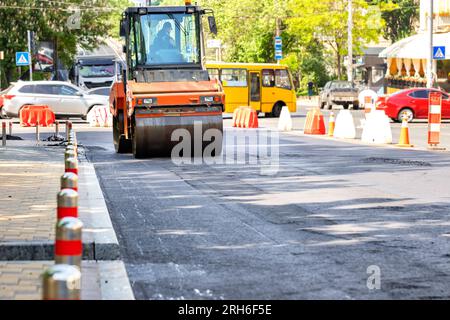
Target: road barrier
[(345, 126), (4, 134), (61, 282), (285, 120), (434, 120), (69, 180), (315, 123), (67, 200), (99, 116), (377, 128), (36, 115), (245, 117), (331, 124), (68, 245), (404, 135)]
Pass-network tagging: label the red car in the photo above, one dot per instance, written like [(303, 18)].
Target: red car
[(412, 103)]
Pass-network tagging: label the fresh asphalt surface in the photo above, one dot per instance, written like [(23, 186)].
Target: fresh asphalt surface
[(311, 231)]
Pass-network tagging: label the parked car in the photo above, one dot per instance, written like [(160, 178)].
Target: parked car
[(412, 103), (102, 91), (65, 99), (342, 93)]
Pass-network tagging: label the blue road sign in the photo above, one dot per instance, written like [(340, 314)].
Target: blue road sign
[(22, 58), (278, 55), (439, 53), (278, 48)]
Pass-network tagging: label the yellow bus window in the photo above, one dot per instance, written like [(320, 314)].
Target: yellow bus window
[(268, 78), (214, 74), (234, 77), (282, 79)]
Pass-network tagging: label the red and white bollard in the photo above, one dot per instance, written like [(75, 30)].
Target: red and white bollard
[(61, 282), (69, 180), (434, 120), (67, 200), (71, 165), (68, 129), (68, 245)]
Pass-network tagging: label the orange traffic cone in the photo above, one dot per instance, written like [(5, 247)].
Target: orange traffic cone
[(331, 125), (404, 135)]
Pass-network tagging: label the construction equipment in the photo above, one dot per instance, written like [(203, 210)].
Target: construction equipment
[(165, 86)]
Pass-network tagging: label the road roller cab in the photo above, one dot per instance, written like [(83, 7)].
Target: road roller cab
[(166, 85)]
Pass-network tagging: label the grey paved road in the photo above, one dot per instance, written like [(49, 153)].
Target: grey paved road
[(310, 231)]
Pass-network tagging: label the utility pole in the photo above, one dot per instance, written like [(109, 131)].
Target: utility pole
[(430, 58), (350, 41), (31, 54)]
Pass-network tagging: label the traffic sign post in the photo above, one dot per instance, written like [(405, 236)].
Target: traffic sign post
[(278, 48)]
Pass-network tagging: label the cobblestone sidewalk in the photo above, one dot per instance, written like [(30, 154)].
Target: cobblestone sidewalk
[(29, 182)]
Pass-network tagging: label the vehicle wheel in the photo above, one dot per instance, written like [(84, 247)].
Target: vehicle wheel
[(137, 153), (405, 112), (322, 105), (121, 144), (276, 110), (346, 106), (328, 106)]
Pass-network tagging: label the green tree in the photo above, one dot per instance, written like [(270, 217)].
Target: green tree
[(49, 22), (326, 21), (400, 16)]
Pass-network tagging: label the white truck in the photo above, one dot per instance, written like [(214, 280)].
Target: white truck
[(96, 71)]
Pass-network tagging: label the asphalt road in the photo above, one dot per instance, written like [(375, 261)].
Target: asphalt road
[(311, 231)]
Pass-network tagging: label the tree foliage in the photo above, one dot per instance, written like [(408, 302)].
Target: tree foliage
[(400, 17), (49, 21)]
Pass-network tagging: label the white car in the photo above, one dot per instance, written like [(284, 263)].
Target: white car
[(65, 99)]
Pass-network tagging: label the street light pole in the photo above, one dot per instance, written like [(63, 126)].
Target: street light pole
[(430, 57), (350, 41)]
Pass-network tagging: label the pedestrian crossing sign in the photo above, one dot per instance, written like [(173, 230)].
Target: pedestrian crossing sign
[(439, 53), (22, 58)]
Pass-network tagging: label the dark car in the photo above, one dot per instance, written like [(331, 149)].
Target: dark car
[(342, 93), (412, 104)]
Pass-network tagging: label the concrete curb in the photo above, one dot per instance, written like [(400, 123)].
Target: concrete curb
[(98, 230), (114, 282)]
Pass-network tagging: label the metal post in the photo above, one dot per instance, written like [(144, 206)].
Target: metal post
[(69, 180), (430, 57), (67, 200), (37, 133), (68, 128), (56, 129), (31, 54), (68, 245), (71, 165), (61, 282), (10, 128), (350, 41), (4, 134)]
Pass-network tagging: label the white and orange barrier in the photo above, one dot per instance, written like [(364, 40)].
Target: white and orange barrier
[(100, 116), (434, 119)]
